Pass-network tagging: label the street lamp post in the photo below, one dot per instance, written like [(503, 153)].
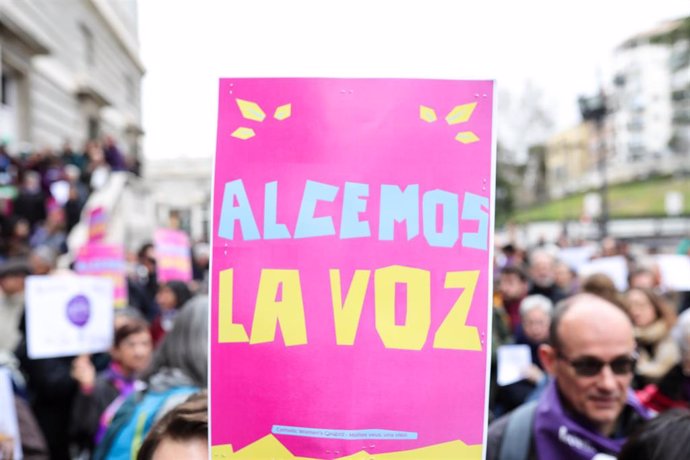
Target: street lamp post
[(594, 109)]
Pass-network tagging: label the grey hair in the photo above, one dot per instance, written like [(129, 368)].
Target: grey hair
[(185, 347), (533, 301), (542, 254)]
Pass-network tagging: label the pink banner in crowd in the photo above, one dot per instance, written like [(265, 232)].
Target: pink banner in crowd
[(98, 223), (173, 255), (350, 272), (107, 261)]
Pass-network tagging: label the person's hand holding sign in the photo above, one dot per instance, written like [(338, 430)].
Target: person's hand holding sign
[(84, 373), (6, 447)]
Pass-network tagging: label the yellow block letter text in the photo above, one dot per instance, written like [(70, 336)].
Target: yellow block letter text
[(454, 334), (288, 312), (346, 313), (228, 332), (412, 335)]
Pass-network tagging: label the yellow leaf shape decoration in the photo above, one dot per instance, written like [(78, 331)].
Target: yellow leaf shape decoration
[(466, 137), (427, 114), (283, 112), (460, 113), (250, 110), (243, 133)]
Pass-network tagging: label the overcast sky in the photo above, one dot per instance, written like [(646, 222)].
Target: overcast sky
[(561, 46)]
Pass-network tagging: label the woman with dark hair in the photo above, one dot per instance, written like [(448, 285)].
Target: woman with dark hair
[(181, 433), (179, 369), (653, 320), (673, 389), (170, 298), (99, 397)]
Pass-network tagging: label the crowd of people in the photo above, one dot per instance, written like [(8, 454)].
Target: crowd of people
[(71, 407), (608, 376), (608, 366), (91, 406), (44, 192)]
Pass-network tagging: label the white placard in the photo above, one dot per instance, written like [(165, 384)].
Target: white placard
[(615, 267), (8, 415), (591, 205), (60, 191), (576, 257), (675, 271), (513, 360), (674, 203), (68, 315)]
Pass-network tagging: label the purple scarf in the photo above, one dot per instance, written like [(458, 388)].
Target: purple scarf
[(125, 386), (558, 436)]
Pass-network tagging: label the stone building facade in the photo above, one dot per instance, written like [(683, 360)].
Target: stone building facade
[(71, 71)]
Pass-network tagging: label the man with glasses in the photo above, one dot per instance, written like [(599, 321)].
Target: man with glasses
[(588, 409)]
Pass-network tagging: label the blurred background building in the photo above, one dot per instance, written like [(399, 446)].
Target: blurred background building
[(182, 194), (635, 158), (647, 121), (71, 72), (71, 77), (641, 107)]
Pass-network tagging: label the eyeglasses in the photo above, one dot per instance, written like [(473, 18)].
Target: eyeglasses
[(589, 366)]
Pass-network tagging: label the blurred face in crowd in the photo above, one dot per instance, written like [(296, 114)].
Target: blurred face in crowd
[(542, 269), (39, 265), (536, 325), (134, 352), (641, 308), (32, 182), (643, 279), (563, 276), (12, 284), (149, 259), (608, 247), (512, 287), (593, 364), (166, 298), (55, 220), (95, 153), (22, 229)]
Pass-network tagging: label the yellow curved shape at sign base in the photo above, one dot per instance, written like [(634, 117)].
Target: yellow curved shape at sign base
[(250, 110), (427, 114), (466, 137), (269, 447), (221, 452), (283, 112), (243, 133), (460, 113)]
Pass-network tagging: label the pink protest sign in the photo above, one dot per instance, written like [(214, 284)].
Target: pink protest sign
[(106, 261), (173, 255), (98, 223), (350, 271)]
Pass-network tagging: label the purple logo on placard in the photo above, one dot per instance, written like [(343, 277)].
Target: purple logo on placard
[(79, 310)]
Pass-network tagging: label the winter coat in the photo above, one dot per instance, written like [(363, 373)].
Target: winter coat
[(658, 351)]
